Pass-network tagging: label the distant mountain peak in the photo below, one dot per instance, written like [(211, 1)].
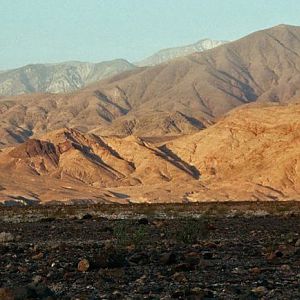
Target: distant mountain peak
[(167, 54)]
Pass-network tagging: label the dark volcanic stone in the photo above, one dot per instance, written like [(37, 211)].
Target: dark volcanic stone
[(6, 294), (168, 258), (139, 258), (109, 260), (207, 255), (143, 221), (87, 217)]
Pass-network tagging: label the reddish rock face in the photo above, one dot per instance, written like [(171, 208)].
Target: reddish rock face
[(33, 148)]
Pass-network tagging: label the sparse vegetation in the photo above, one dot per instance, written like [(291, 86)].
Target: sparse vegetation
[(189, 230), (126, 235)]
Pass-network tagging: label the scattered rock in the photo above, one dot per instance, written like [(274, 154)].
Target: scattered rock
[(111, 259), (211, 227), (130, 248), (33, 291), (211, 245), (285, 268), (161, 269), (255, 270), (260, 291), (37, 279), (6, 294), (184, 267), (271, 256), (297, 251), (278, 253), (207, 255), (108, 229), (192, 258), (38, 256), (238, 270), (179, 277), (22, 269), (43, 292), (48, 220), (6, 237), (141, 280), (158, 223), (143, 221), (178, 294), (139, 258), (274, 255), (24, 292), (116, 295), (168, 258), (86, 217), (83, 265), (297, 244), (200, 293)]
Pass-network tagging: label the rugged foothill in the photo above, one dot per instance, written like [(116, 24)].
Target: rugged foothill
[(250, 154)]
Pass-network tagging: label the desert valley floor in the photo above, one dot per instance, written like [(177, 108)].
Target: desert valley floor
[(204, 251)]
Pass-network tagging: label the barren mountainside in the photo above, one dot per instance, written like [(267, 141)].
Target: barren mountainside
[(185, 94), (65, 163), (251, 154)]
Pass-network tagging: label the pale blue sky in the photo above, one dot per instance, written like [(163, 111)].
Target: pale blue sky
[(38, 31)]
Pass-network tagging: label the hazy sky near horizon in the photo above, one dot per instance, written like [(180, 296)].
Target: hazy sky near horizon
[(38, 31)]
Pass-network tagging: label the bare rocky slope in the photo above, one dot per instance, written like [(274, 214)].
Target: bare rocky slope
[(174, 98), (66, 165), (251, 154)]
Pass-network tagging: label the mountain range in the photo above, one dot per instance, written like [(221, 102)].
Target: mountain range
[(222, 124), (170, 99), (70, 76)]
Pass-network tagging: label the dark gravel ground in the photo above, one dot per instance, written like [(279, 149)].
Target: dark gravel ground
[(217, 257)]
